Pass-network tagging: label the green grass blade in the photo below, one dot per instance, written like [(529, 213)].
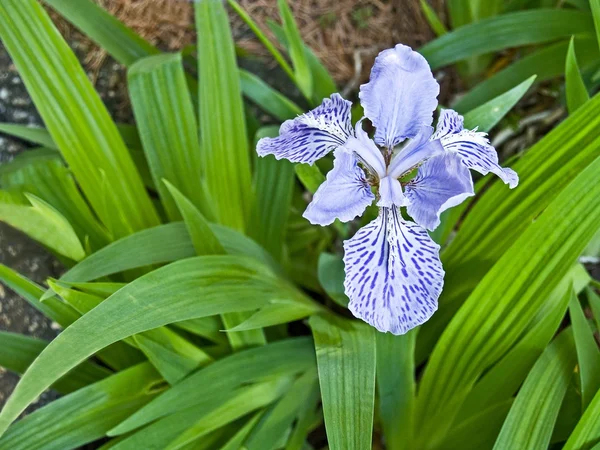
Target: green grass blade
[(505, 31), (486, 116), (86, 415), (432, 19), (396, 387), (331, 277), (346, 362), (531, 419), (302, 72), (165, 117), (19, 351), (76, 118), (224, 146), (226, 374), (587, 432), (595, 7), (575, 88), (506, 300), (273, 184), (267, 98), (588, 354), (310, 176), (32, 134)]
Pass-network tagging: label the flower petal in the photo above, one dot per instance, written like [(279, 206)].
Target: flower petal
[(400, 96), (473, 147), (344, 195), (312, 135), (393, 273), (441, 183), (390, 193), (416, 151), (366, 151)]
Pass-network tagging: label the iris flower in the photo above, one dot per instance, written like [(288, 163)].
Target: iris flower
[(394, 276)]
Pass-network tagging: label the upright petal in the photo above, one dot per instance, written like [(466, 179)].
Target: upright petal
[(472, 146), (441, 183), (400, 96), (416, 151), (312, 135), (366, 151), (393, 273), (344, 195), (390, 193)]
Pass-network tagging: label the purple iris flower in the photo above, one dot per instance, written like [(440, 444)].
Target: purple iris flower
[(393, 272)]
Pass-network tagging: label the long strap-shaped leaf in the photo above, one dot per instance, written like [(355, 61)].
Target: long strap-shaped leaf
[(167, 295), (531, 419), (507, 300), (587, 432), (505, 31), (224, 146), (76, 118), (346, 362)]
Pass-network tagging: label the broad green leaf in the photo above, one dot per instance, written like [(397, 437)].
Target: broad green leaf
[(162, 244), (206, 327), (505, 31), (506, 300), (235, 443), (18, 352), (306, 420), (331, 276), (32, 134), (302, 72), (595, 7), (207, 243), (432, 18), (165, 117), (396, 387), (223, 142), (587, 432), (52, 308), (85, 415), (45, 224), (169, 294), (310, 176), (531, 419), (273, 184), (545, 63), (231, 372), (588, 354), (267, 98), (346, 362), (486, 116), (575, 88), (76, 118), (273, 425), (500, 216), (460, 12)]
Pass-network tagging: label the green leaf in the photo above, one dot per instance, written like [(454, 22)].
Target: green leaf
[(587, 432), (346, 361), (235, 443), (165, 117), (396, 387), (46, 225), (483, 330), (505, 31), (310, 176), (223, 143), (229, 373), (302, 72), (306, 420), (86, 415), (76, 118), (575, 89), (588, 354), (595, 7), (545, 63), (486, 116), (331, 276), (167, 295), (432, 19), (531, 419), (273, 184), (267, 98), (32, 134), (18, 352), (206, 327)]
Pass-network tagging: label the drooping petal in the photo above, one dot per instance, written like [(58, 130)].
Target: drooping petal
[(441, 183), (400, 96), (312, 135), (366, 151), (417, 150), (393, 273), (344, 195), (472, 146), (390, 193)]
